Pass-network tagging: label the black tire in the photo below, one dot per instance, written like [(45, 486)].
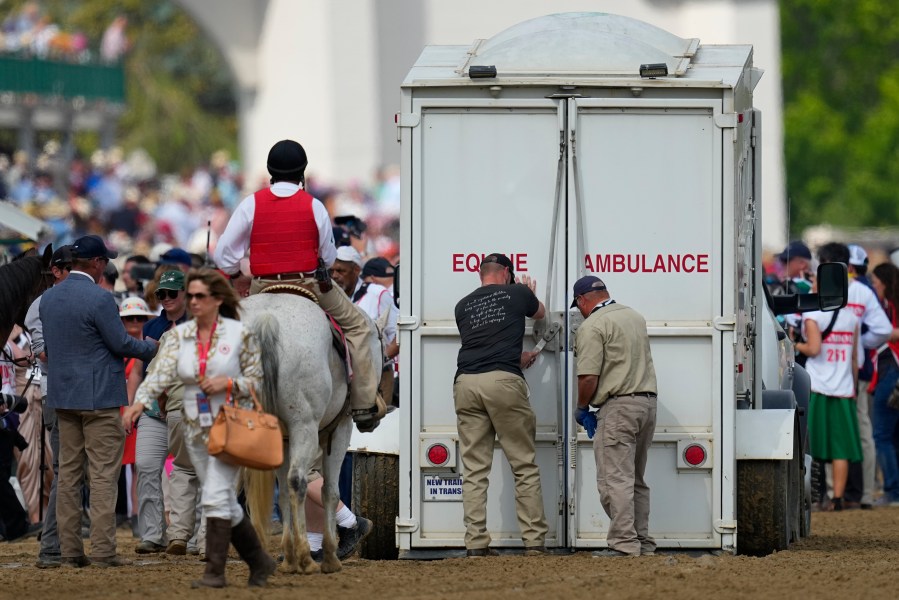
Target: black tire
[(763, 513), (376, 496), (805, 524), (797, 488), (817, 481)]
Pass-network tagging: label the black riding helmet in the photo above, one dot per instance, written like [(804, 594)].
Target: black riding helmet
[(287, 161)]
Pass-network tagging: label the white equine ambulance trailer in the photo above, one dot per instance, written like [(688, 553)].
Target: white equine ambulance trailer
[(592, 143)]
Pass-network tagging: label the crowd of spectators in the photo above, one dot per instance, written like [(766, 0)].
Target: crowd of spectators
[(122, 199), (852, 357), (30, 32)]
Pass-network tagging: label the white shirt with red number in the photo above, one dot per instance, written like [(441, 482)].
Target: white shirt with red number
[(831, 370)]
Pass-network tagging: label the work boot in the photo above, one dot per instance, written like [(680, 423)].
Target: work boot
[(368, 419), (218, 540), (349, 538), (244, 538), (176, 548)]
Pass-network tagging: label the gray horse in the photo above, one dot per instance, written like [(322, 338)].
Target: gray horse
[(306, 386)]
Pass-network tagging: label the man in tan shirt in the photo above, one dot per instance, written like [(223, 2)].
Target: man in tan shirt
[(616, 375)]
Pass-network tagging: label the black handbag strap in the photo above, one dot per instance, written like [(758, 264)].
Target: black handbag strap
[(833, 321)]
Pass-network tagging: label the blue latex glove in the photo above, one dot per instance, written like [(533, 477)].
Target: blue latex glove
[(586, 419)]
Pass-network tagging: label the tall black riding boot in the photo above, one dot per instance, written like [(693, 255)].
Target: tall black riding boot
[(218, 540), (244, 538)]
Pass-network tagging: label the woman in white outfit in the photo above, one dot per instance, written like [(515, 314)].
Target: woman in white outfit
[(214, 355)]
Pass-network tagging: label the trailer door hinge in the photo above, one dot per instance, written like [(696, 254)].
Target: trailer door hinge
[(407, 119), (724, 323), (410, 322), (406, 525), (726, 120), (726, 525)]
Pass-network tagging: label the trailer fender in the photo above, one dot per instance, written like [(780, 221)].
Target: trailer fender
[(765, 434)]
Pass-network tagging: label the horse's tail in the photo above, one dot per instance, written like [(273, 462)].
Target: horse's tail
[(267, 331), (259, 488)]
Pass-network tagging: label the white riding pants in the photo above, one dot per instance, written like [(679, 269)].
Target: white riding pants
[(219, 482)]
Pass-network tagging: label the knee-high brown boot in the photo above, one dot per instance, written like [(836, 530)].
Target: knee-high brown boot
[(244, 538), (218, 540)]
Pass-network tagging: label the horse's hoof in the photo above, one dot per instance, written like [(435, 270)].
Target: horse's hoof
[(310, 569), (331, 565)]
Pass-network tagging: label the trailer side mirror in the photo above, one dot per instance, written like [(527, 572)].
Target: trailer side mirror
[(833, 286), (833, 291)]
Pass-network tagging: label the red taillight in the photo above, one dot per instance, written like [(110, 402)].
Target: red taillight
[(438, 454), (694, 455)]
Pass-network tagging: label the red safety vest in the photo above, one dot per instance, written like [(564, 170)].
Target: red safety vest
[(284, 237)]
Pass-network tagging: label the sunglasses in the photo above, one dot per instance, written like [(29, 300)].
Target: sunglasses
[(135, 319), (170, 294), (198, 296)]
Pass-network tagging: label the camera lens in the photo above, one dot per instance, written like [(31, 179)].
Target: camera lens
[(14, 403)]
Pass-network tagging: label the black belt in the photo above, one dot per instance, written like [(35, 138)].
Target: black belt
[(647, 394), (283, 276)]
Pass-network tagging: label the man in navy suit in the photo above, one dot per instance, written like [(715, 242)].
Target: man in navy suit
[(86, 342)]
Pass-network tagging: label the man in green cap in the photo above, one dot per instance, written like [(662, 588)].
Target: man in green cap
[(158, 434)]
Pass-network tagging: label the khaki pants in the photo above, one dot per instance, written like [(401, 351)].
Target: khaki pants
[(495, 406), (356, 328), (621, 446), (98, 436)]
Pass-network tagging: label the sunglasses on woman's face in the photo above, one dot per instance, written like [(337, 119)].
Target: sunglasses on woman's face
[(198, 296), (170, 294), (135, 319)]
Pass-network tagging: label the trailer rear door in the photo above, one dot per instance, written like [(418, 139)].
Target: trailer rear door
[(482, 181), (639, 196), (645, 208)]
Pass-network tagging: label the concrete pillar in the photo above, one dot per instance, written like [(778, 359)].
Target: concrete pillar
[(25, 134)]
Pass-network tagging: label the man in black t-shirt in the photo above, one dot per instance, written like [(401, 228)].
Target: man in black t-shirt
[(491, 400)]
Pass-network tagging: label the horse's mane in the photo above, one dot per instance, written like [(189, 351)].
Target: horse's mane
[(18, 280)]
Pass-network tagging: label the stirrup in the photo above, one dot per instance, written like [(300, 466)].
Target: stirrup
[(368, 419)]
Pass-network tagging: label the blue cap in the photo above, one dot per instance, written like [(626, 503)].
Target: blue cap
[(586, 284), (91, 246), (176, 256), (378, 267), (795, 249)]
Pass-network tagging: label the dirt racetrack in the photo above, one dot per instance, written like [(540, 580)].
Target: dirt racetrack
[(853, 554)]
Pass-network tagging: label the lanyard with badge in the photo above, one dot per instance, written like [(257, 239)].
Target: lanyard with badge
[(205, 412), (602, 305)]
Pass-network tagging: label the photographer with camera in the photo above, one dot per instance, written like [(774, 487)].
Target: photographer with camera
[(13, 516), (135, 273)]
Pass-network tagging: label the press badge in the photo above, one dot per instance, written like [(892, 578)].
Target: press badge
[(204, 410)]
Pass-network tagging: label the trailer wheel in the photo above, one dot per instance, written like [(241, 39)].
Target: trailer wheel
[(376, 496), (763, 511), (805, 524), (797, 489)]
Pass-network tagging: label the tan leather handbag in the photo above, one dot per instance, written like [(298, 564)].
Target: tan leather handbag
[(246, 437)]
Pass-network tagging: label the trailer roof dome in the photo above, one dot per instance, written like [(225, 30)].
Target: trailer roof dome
[(582, 43)]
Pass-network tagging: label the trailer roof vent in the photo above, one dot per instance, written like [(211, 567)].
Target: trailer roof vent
[(581, 44)]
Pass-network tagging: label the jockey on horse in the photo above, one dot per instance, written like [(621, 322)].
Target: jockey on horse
[(290, 240)]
